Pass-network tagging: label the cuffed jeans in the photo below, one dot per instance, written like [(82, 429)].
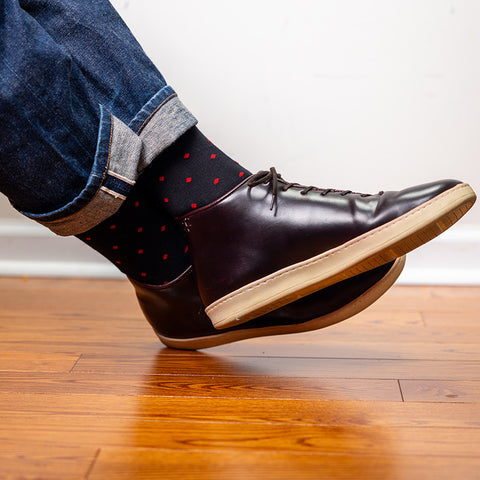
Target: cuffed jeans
[(82, 111)]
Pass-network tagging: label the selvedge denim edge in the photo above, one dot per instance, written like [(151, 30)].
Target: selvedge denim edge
[(122, 153)]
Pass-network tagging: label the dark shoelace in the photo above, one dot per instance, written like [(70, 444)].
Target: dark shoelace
[(271, 176)]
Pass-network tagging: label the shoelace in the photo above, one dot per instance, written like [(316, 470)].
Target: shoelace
[(271, 176)]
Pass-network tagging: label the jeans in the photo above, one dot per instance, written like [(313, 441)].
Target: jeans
[(82, 109)]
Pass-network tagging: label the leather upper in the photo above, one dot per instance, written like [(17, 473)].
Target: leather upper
[(176, 310), (238, 239)]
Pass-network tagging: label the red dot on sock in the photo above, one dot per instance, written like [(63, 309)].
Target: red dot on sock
[(137, 204), (216, 181), (189, 179), (118, 262), (186, 249), (143, 274), (194, 205), (161, 179), (113, 227), (186, 155), (140, 251), (241, 174), (163, 228), (140, 229), (165, 256), (165, 282), (88, 239), (115, 247), (212, 156), (165, 200)]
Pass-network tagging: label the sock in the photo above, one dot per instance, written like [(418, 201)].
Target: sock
[(143, 242), (142, 239), (191, 173)]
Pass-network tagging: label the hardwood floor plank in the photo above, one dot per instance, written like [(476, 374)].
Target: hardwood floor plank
[(66, 330), (437, 298), (453, 320), (125, 464), (440, 391), (203, 386), (21, 461), (239, 410), (36, 362), (357, 330), (94, 431), (64, 296), (294, 347), (448, 292), (203, 364)]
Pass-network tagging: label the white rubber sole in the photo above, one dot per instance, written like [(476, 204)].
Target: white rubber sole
[(349, 310), (372, 249)]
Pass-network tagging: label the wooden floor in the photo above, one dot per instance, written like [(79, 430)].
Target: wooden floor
[(87, 392)]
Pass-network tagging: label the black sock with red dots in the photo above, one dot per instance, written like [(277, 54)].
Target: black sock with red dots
[(191, 173), (144, 243)]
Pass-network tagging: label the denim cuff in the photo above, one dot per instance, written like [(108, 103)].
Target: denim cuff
[(123, 151)]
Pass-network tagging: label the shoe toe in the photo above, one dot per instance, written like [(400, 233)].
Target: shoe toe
[(423, 193), (394, 204)]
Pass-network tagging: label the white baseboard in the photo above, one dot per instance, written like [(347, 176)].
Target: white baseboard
[(28, 249), (436, 276), (66, 269)]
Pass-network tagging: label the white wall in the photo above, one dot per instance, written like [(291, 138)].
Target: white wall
[(365, 95)]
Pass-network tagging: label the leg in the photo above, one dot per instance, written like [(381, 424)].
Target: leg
[(68, 89), (116, 73), (67, 161), (123, 79)]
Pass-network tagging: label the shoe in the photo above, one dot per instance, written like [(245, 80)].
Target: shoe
[(176, 312), (268, 242)]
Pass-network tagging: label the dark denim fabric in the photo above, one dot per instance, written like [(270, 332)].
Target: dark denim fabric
[(69, 71), (119, 74)]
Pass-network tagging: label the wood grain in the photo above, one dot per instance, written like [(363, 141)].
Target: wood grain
[(201, 386), (244, 410), (125, 464), (205, 364), (440, 391), (305, 347), (57, 462), (92, 431), (37, 361), (88, 392)]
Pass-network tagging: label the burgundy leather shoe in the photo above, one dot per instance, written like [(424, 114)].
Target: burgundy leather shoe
[(268, 242), (176, 312)]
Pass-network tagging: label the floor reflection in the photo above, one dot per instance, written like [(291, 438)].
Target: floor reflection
[(252, 415)]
